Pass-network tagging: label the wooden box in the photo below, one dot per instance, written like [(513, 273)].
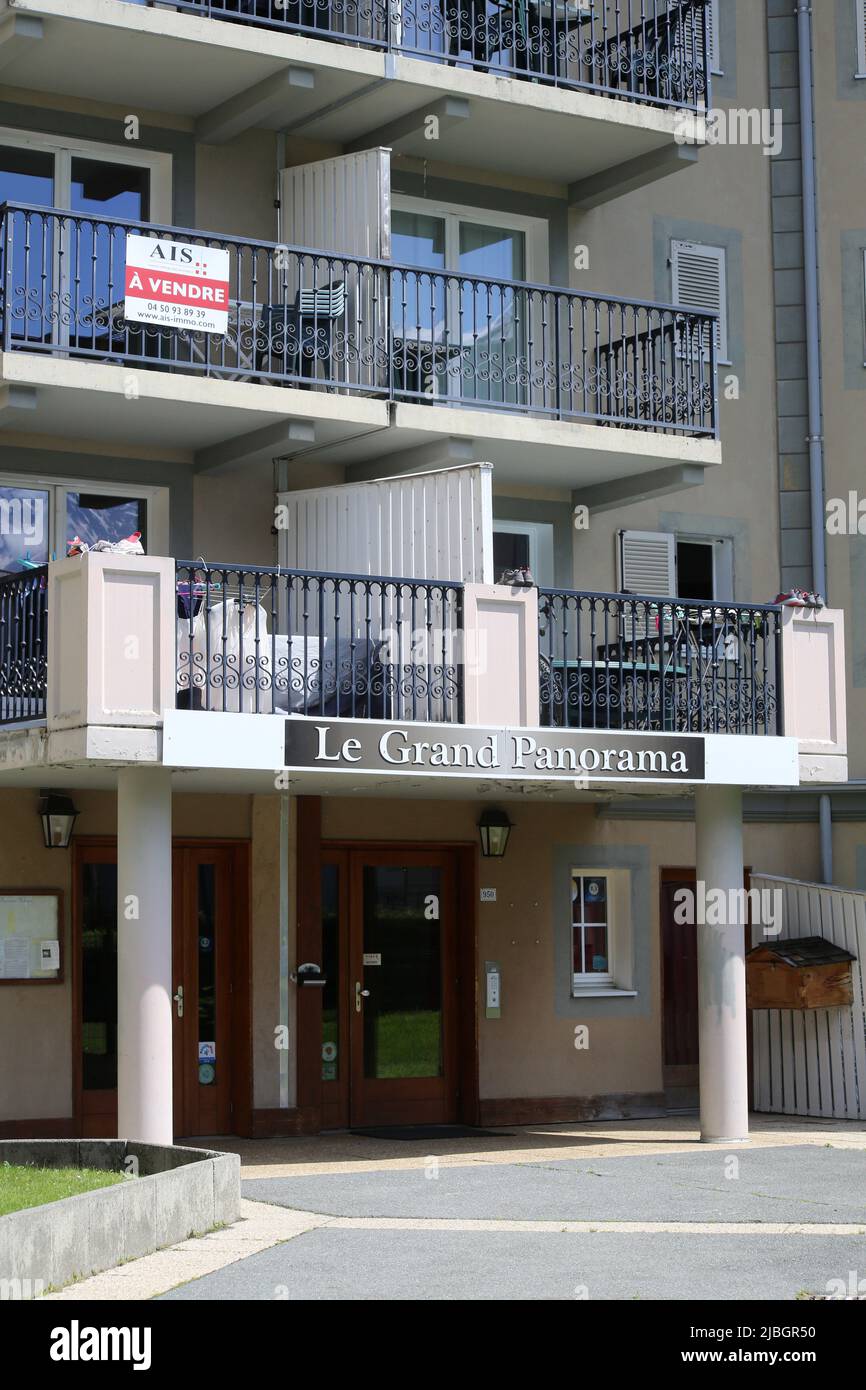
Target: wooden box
[(805, 972)]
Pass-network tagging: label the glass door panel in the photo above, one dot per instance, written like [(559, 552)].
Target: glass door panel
[(94, 516), (419, 302), (210, 1050), (99, 977), (493, 317), (331, 1059), (401, 987), (24, 528), (402, 965), (95, 269), (28, 176)]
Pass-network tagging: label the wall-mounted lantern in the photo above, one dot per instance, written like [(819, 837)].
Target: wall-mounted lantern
[(494, 827), (58, 816)]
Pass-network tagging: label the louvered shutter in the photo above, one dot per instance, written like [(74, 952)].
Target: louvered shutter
[(647, 563), (713, 34), (698, 274), (646, 566), (861, 38), (689, 38)]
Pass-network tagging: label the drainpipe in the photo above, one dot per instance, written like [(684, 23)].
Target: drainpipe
[(813, 362)]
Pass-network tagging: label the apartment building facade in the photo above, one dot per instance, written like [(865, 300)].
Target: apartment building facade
[(353, 314)]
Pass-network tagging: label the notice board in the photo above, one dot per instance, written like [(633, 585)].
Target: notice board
[(31, 928)]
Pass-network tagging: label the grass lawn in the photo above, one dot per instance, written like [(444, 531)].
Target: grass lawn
[(32, 1187)]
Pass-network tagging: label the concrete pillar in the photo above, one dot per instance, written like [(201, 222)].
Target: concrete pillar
[(722, 968), (144, 966)]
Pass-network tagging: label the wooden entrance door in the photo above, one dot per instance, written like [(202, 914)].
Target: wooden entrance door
[(202, 956), (389, 1008), (679, 993), (210, 982)]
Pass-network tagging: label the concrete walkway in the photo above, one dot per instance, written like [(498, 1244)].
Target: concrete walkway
[(634, 1209)]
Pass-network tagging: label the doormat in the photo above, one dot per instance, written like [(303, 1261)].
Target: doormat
[(431, 1132)]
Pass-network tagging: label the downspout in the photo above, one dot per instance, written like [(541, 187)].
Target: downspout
[(813, 361)]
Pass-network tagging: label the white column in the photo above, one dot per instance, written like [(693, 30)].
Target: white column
[(144, 967), (722, 968)]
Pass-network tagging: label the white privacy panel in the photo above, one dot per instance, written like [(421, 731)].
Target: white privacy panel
[(436, 525), (813, 1061), (341, 205)]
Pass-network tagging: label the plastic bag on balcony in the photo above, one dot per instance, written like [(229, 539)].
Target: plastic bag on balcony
[(224, 658)]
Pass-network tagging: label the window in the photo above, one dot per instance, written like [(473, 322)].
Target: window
[(448, 236), (37, 524), (695, 577), (517, 543), (105, 180), (601, 931), (699, 282), (591, 945), (661, 564), (458, 334), (860, 20)]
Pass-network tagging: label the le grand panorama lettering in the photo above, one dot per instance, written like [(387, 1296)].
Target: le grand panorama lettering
[(508, 752)]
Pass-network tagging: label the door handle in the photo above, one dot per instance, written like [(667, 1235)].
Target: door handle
[(359, 995), (178, 999)]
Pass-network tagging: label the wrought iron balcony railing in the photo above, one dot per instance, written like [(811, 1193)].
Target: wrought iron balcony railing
[(276, 641), (23, 645), (615, 661), (653, 51), (323, 321)]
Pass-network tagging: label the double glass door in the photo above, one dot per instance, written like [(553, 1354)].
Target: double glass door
[(388, 1037), (457, 335), (67, 277)]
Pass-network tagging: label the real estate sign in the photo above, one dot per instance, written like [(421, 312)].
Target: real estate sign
[(175, 284)]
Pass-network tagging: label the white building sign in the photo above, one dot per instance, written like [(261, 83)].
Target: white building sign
[(175, 284)]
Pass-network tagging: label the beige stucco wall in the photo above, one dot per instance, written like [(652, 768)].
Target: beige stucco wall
[(841, 129), (529, 1051), (729, 187), (36, 1078)]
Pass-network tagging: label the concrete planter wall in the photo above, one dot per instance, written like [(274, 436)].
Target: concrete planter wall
[(178, 1193)]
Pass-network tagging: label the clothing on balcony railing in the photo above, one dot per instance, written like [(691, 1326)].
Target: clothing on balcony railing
[(321, 321), (271, 641), (615, 661), (653, 51)]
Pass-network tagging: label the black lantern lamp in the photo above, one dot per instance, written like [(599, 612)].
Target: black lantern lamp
[(494, 827), (58, 819)]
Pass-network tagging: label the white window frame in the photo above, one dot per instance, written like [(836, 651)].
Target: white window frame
[(618, 978), (540, 536), (156, 499), (534, 229), (719, 253), (860, 28), (65, 150)]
